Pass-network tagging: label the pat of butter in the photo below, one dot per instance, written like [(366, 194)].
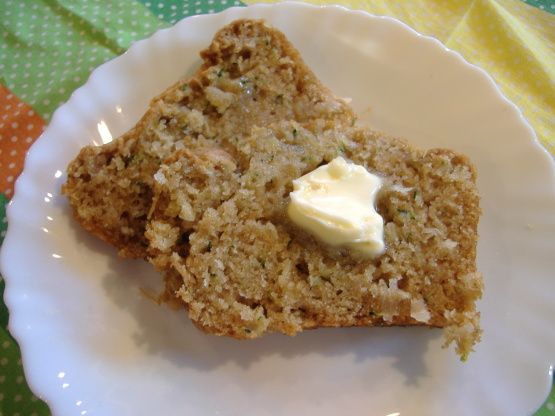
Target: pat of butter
[(335, 203)]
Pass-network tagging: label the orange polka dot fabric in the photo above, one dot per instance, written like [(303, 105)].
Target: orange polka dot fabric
[(20, 126)]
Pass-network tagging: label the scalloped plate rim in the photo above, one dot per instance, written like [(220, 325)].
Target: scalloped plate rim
[(34, 379)]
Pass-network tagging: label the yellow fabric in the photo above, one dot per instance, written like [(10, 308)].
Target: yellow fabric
[(512, 41)]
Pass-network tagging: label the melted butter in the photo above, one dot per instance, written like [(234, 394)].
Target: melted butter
[(336, 204)]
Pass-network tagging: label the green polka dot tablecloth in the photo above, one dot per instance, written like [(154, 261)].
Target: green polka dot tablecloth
[(47, 49)]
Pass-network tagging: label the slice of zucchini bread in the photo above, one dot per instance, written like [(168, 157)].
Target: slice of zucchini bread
[(219, 230), (251, 76)]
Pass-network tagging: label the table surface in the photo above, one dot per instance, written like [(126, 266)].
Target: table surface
[(48, 48)]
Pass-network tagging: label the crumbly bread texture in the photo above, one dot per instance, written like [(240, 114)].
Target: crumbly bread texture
[(201, 185), (220, 231), (251, 75)]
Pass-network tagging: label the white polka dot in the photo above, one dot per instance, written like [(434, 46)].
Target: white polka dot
[(14, 125), (17, 398), (550, 405), (28, 140), (13, 152), (13, 139), (4, 360), (19, 379), (6, 344)]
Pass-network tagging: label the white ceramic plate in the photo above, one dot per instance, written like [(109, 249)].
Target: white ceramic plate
[(93, 345)]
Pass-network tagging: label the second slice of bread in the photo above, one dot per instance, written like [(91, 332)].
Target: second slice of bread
[(242, 269)]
